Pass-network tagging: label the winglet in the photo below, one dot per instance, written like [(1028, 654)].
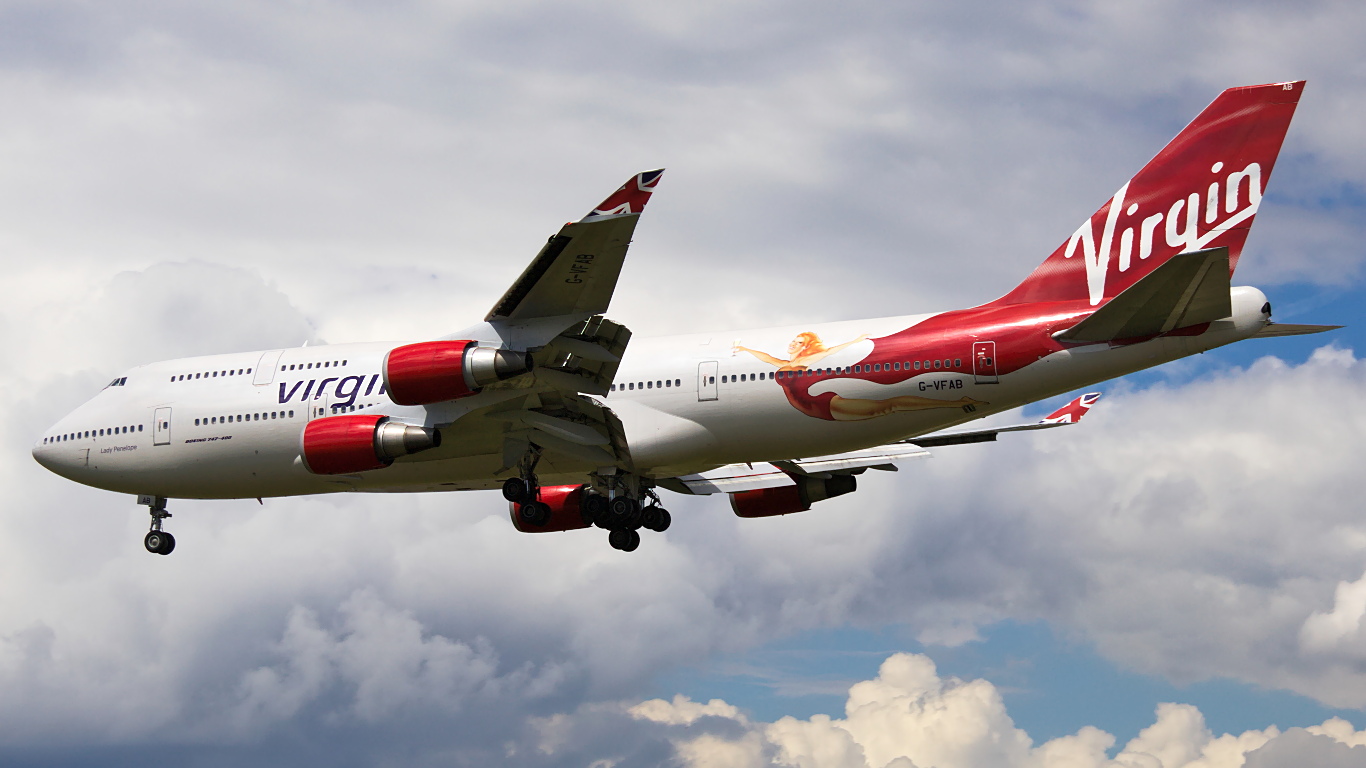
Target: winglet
[(630, 198), (1073, 411)]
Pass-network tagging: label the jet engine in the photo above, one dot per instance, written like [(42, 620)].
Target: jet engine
[(808, 490), (436, 371), (342, 445), (560, 508)]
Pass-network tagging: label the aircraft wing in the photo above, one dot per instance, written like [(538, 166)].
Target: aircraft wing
[(576, 272), (736, 478), (1068, 414)]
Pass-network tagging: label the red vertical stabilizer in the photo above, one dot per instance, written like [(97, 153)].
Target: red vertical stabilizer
[(1201, 191)]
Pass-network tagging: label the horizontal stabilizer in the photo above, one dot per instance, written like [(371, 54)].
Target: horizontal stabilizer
[(1188, 289), (1273, 330)]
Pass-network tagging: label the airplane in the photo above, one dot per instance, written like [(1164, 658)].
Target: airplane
[(580, 425)]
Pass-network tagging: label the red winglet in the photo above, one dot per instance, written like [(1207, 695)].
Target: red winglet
[(631, 197), (1073, 411)]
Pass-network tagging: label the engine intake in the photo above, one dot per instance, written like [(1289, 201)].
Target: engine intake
[(769, 502), (437, 371), (566, 510), (343, 445)]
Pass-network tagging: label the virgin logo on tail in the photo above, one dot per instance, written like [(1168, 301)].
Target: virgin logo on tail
[(1215, 210)]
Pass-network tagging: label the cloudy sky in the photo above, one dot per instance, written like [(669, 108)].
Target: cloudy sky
[(1179, 582)]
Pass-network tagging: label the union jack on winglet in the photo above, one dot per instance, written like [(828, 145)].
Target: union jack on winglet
[(630, 198), (1073, 411)]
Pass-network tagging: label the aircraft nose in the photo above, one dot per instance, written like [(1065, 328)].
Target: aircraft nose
[(58, 458)]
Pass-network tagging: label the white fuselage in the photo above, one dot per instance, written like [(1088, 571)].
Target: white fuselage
[(230, 426)]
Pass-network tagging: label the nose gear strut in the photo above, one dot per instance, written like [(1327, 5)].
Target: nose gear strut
[(157, 541)]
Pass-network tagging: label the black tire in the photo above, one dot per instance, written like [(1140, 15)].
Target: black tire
[(159, 542), (622, 508), (534, 513), (594, 509), (632, 541), (619, 539), (656, 519), (649, 517), (517, 490)]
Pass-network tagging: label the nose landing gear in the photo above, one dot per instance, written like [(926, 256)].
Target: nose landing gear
[(157, 541)]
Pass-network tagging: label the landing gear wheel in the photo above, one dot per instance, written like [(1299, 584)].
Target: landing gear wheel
[(656, 519), (518, 490), (649, 517), (535, 513), (594, 510), (623, 511), (624, 539), (159, 542)]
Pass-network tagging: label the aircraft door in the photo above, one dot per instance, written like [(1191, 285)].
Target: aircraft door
[(265, 367), (706, 380), (320, 407), (161, 426), (984, 362)]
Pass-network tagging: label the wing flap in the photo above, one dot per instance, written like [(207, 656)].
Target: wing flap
[(734, 478)]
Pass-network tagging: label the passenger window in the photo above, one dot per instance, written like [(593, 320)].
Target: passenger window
[(958, 362), (936, 365), (678, 382), (631, 385), (291, 414), (711, 379)]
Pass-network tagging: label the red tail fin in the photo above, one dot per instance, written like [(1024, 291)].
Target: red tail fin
[(1201, 191)]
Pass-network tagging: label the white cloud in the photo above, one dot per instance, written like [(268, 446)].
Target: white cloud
[(1340, 628), (909, 716)]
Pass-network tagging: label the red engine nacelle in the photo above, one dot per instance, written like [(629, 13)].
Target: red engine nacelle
[(436, 371), (768, 502), (566, 510), (343, 445)]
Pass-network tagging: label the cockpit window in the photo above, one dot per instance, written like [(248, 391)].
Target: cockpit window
[(117, 382)]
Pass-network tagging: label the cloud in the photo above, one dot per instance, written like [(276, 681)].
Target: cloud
[(183, 181), (910, 716)]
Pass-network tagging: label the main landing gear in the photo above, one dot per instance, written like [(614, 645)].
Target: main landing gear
[(157, 541), (525, 491), (623, 515)]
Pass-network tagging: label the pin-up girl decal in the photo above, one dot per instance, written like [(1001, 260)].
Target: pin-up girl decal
[(796, 376)]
